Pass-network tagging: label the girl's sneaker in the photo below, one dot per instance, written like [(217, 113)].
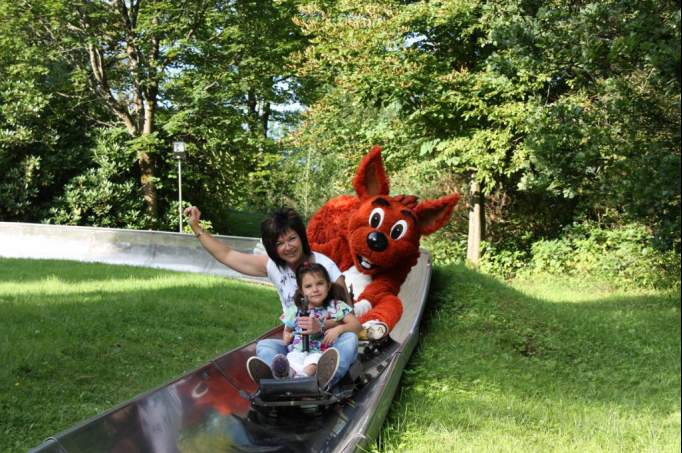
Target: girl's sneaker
[(258, 369), (280, 367), (327, 367)]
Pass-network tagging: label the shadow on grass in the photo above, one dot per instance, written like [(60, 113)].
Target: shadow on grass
[(13, 270), (490, 354), (66, 357)]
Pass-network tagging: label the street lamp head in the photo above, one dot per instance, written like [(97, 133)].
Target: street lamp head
[(179, 150)]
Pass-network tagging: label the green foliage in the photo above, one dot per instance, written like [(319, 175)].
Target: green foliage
[(561, 111), (503, 262), (228, 104), (106, 195), (443, 250), (624, 256), (214, 75), (18, 189), (43, 130)]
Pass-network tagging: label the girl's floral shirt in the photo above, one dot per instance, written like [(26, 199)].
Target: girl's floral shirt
[(336, 310)]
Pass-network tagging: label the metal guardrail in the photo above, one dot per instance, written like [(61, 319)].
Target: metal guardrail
[(167, 250), (156, 249)]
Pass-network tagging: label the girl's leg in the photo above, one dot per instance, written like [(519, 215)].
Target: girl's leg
[(310, 370), (297, 362), (267, 349), (310, 363)]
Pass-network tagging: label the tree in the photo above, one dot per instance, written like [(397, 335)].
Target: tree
[(121, 51), (209, 72), (567, 110), (44, 134), (229, 100)]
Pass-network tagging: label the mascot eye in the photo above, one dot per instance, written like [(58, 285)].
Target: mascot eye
[(399, 230), (376, 217)]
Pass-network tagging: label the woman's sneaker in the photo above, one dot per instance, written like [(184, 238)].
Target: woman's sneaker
[(327, 367), (280, 366), (258, 369)]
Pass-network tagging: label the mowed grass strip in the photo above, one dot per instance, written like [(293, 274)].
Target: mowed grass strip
[(540, 366), (77, 339)]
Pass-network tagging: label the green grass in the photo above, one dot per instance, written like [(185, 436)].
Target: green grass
[(77, 339), (540, 366), (524, 366)]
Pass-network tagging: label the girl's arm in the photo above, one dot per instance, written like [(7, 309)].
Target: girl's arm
[(287, 335), (340, 292), (349, 323)]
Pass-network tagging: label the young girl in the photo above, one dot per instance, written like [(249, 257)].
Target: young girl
[(314, 297)]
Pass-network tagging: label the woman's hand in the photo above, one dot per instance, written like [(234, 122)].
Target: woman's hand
[(331, 335), (193, 215), (287, 336), (309, 324)]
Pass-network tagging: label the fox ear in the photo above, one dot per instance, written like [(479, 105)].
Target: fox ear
[(370, 178), (434, 214)]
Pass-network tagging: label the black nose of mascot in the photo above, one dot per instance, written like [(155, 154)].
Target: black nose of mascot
[(377, 241)]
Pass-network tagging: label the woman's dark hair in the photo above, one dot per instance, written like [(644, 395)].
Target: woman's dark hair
[(279, 222), (312, 268)]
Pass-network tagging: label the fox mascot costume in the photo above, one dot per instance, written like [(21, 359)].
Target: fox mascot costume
[(374, 239)]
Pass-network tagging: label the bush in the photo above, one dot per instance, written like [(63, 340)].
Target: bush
[(107, 195), (445, 249), (624, 256), (503, 262)]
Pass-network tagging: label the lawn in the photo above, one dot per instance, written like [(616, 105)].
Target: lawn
[(540, 366), (501, 366), (77, 339)]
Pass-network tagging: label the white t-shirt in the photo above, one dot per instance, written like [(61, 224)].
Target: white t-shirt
[(284, 279)]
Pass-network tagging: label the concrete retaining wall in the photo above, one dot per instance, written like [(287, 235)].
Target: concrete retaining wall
[(158, 249)]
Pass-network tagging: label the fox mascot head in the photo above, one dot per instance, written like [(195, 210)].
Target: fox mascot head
[(374, 239)]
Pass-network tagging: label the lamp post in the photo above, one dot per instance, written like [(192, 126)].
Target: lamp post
[(179, 154)]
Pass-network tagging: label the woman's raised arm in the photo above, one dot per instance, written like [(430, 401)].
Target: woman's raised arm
[(245, 263)]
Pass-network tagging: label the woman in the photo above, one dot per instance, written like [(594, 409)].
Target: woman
[(286, 243)]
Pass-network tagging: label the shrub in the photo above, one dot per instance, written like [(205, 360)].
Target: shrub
[(107, 195), (445, 249), (624, 255), (503, 262)]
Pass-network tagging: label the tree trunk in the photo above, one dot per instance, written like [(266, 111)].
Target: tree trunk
[(146, 163), (476, 224), (147, 180)]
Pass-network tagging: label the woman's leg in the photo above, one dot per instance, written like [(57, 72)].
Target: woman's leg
[(267, 349), (347, 345)]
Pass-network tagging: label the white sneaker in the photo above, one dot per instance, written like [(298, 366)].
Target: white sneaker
[(258, 369)]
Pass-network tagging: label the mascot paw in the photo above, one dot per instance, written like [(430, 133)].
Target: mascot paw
[(375, 330), (361, 307)]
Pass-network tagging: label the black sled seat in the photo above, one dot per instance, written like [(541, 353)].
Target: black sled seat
[(304, 392)]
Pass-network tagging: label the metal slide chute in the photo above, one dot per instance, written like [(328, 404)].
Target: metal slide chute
[(211, 408)]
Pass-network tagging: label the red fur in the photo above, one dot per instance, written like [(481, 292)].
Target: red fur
[(341, 228)]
